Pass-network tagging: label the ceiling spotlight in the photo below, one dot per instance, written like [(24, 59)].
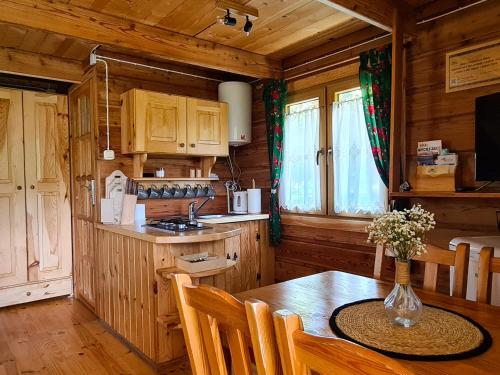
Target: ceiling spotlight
[(228, 20), (248, 26)]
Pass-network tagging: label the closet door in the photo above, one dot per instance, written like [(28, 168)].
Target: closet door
[(12, 199), (82, 118), (46, 135)]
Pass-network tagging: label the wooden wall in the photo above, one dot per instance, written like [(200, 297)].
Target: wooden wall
[(305, 249), (123, 77), (431, 114), (434, 114)]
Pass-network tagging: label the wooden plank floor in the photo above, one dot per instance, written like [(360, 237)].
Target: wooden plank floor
[(62, 336)]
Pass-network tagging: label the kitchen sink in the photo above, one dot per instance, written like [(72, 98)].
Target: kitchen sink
[(207, 217), (219, 216)]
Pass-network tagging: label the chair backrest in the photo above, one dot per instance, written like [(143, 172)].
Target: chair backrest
[(301, 352), (487, 266), (207, 312), (433, 258)]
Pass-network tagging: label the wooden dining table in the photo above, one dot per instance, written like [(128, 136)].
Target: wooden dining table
[(315, 297)]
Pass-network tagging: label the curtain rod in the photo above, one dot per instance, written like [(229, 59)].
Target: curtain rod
[(338, 51), (94, 51), (352, 46)]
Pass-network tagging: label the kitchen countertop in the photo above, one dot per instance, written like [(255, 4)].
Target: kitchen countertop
[(234, 218), (214, 233)]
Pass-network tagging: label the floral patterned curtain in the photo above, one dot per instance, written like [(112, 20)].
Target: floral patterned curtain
[(375, 81), (275, 101)]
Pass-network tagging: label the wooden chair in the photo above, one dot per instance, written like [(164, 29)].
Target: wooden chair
[(433, 258), (207, 312), (301, 352), (487, 266)]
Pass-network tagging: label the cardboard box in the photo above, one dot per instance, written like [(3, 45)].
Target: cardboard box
[(435, 178)]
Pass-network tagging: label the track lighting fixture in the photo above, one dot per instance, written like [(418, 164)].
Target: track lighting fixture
[(248, 26), (228, 20)]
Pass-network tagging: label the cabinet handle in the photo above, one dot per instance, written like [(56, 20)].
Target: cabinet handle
[(32, 187), (235, 256), (181, 144), (193, 145), (19, 187)]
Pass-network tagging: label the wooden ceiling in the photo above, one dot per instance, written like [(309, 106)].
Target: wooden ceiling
[(185, 32), (45, 43), (284, 27)]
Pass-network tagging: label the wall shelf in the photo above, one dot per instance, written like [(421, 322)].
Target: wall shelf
[(168, 179), (444, 194)]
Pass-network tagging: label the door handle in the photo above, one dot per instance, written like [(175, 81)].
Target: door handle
[(321, 151), (92, 191)]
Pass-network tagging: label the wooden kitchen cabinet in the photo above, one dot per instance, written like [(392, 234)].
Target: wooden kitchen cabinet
[(255, 267), (160, 123), (153, 122), (207, 127)]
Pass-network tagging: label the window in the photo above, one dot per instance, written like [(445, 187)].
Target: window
[(357, 186), (328, 167), (301, 173)]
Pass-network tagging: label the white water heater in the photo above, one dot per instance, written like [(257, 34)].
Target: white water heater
[(238, 96)]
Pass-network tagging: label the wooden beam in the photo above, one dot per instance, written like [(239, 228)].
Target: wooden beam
[(378, 13), (104, 29), (40, 66), (397, 105)]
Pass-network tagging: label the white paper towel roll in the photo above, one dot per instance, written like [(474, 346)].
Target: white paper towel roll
[(254, 202), (140, 213)]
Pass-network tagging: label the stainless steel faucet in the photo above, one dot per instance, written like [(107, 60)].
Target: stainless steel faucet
[(192, 211)]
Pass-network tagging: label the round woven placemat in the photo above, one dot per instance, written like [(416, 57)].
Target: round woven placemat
[(439, 335)]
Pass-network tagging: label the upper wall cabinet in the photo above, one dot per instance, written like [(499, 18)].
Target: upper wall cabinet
[(207, 127), (169, 124)]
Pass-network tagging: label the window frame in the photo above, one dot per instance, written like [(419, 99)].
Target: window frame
[(327, 94), (333, 90), (302, 96)]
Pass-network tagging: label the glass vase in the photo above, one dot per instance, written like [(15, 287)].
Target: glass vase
[(402, 305)]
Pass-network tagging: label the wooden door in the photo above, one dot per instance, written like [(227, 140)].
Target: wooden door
[(207, 127), (164, 119), (82, 174), (12, 190), (48, 209)]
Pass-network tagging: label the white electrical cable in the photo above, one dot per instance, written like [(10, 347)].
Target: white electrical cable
[(450, 12), (99, 57), (107, 100)]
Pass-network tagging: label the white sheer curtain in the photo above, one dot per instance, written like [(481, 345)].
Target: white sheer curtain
[(358, 188), (300, 189)]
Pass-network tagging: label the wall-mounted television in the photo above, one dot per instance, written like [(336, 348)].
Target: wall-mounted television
[(488, 138)]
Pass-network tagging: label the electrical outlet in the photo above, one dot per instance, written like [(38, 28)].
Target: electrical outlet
[(109, 155)]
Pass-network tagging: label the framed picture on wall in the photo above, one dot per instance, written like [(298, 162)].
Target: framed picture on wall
[(474, 66)]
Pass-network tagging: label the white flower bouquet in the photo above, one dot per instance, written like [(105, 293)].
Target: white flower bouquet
[(402, 232)]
